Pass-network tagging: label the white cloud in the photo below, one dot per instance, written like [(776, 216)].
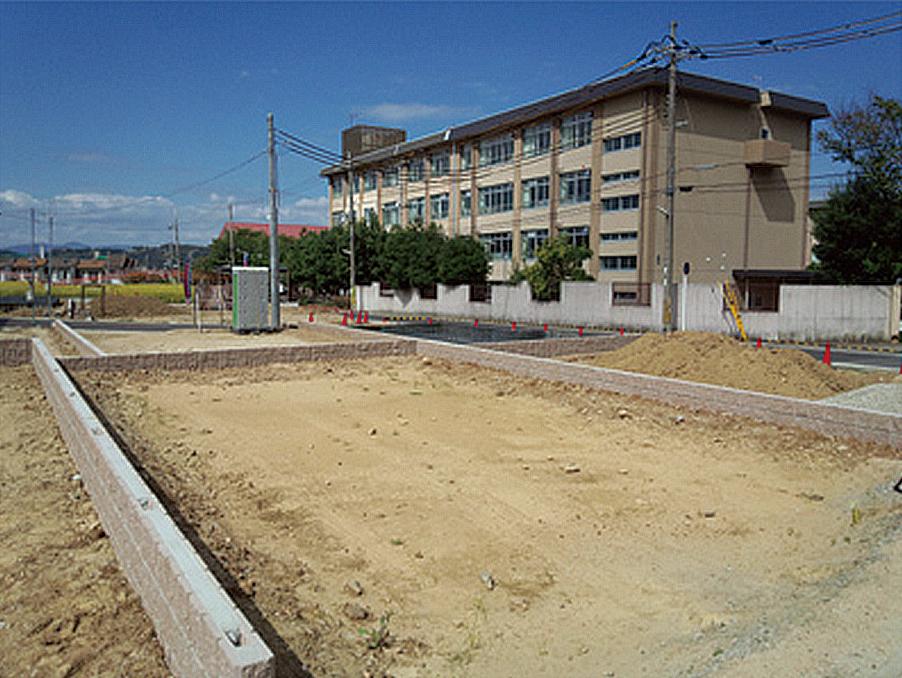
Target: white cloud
[(115, 219), (400, 112)]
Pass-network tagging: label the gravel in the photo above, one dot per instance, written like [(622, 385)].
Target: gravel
[(876, 397)]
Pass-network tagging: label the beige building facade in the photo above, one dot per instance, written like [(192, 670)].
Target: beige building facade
[(590, 165)]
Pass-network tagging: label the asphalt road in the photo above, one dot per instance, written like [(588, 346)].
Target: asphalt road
[(845, 357)]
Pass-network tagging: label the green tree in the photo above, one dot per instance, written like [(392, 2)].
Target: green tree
[(462, 261), (256, 245), (411, 255), (557, 260), (859, 230)]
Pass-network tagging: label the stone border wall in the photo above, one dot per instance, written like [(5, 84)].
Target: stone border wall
[(239, 357), (549, 348), (201, 630), (81, 344), (824, 418), (15, 352)]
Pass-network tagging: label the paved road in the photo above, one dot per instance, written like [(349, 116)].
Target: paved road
[(843, 357), (102, 325)]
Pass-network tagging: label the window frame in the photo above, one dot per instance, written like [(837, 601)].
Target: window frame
[(505, 142), (532, 186), (581, 181), (531, 240), (576, 130), (444, 166), (501, 197), (442, 199), (387, 209), (540, 135)]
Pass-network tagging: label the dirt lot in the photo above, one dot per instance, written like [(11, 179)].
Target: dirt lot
[(722, 360), (502, 526), (57, 344), (186, 340), (65, 608)]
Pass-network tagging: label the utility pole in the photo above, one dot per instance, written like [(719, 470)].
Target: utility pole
[(50, 269), (275, 319), (352, 266), (231, 235), (34, 299), (669, 319)]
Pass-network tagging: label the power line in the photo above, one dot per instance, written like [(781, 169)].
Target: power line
[(198, 184), (309, 144)]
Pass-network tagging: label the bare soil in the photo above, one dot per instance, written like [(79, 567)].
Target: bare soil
[(501, 526), (65, 608), (185, 340), (57, 344), (724, 361)]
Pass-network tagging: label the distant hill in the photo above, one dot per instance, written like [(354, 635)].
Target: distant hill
[(26, 248)]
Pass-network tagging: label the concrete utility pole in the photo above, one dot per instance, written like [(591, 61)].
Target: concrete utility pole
[(50, 269), (34, 300), (231, 235), (275, 318), (352, 265), (669, 319)]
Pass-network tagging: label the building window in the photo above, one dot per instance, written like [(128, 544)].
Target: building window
[(369, 215), (337, 184), (495, 199), (497, 150), (415, 170), (576, 130), (620, 236), (465, 203), (441, 165), (535, 192), (498, 245), (623, 143), (578, 236), (576, 186), (536, 140), (466, 157), (338, 218), (618, 263), (390, 177), (618, 177), (391, 214), (531, 241), (620, 203), (438, 206), (416, 209), (369, 181)]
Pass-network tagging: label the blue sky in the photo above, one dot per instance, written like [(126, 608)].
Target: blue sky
[(105, 109)]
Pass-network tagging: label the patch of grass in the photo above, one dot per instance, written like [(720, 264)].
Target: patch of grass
[(378, 637), (167, 292)]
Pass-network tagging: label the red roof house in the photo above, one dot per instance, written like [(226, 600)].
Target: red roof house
[(289, 230)]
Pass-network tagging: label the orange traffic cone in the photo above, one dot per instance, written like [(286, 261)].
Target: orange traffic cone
[(621, 331), (430, 320), (476, 322), (545, 327), (344, 319), (827, 360), (758, 343), (514, 326), (580, 331), (366, 317), (310, 317)]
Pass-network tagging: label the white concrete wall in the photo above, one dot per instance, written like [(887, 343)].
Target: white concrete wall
[(806, 312)]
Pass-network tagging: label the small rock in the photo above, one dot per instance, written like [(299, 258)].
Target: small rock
[(679, 419), (525, 467), (488, 580), (427, 361), (75, 477), (571, 468), (624, 414), (354, 587), (419, 555), (373, 431), (624, 471), (709, 514), (355, 611)]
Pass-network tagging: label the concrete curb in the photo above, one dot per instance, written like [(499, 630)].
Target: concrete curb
[(201, 630), (824, 418), (84, 346), (238, 357)]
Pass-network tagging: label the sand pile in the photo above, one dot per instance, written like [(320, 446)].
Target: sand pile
[(717, 359)]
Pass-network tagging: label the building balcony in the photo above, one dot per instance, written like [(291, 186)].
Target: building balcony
[(766, 153)]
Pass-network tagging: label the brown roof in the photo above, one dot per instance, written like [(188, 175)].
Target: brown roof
[(91, 265)]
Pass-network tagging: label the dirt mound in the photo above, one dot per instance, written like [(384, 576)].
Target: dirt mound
[(721, 360), (117, 306)]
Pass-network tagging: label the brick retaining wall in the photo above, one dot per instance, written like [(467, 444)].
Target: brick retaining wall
[(239, 357), (549, 348), (76, 339), (15, 352), (201, 630), (823, 418)]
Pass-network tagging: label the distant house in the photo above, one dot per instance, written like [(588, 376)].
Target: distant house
[(288, 230)]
